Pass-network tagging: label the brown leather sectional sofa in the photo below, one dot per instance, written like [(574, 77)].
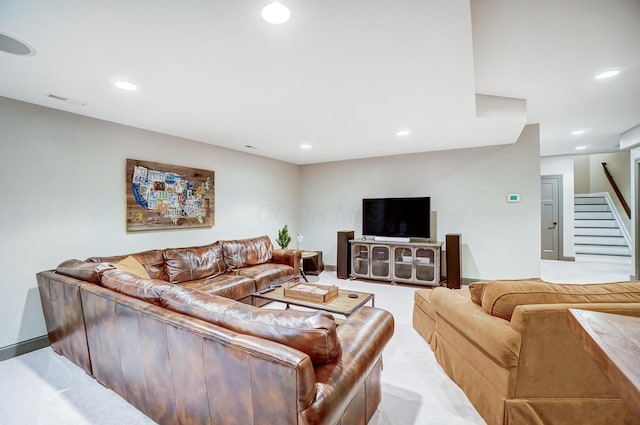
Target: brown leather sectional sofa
[(508, 345), (166, 333)]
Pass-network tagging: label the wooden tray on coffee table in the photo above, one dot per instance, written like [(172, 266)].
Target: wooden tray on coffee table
[(340, 304)]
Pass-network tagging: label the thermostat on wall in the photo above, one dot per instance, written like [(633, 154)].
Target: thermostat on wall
[(513, 197)]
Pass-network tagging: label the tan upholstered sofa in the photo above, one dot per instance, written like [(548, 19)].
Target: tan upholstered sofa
[(508, 345), (163, 329)]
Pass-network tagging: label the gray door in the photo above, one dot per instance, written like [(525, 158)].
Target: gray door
[(550, 226)]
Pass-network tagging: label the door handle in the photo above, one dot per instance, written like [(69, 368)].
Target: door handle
[(555, 223)]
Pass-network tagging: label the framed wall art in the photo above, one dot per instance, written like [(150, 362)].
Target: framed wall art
[(164, 197)]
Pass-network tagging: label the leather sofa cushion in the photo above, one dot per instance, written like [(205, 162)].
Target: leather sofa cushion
[(186, 264), (247, 252), (267, 274), (313, 333), (501, 297), (152, 261), (126, 283), (228, 285), (133, 266), (83, 270)]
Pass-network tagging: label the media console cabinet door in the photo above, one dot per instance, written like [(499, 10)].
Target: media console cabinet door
[(163, 196)]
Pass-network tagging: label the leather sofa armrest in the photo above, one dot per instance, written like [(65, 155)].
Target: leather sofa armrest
[(290, 257), (553, 361), (363, 336)]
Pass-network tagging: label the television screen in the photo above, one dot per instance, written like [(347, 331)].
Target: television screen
[(396, 217)]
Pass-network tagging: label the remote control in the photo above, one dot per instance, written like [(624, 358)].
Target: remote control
[(265, 290)]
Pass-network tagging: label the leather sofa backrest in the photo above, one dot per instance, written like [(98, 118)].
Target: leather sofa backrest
[(247, 252), (198, 262), (89, 272), (152, 261), (313, 333), (126, 283)]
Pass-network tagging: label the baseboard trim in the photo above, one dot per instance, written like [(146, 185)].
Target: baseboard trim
[(564, 258), (330, 268), (24, 347), (469, 280)]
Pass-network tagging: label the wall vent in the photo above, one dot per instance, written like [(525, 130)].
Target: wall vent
[(66, 99)]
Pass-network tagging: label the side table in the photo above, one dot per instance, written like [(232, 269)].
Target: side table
[(312, 262)]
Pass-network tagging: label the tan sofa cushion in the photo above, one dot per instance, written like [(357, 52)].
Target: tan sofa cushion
[(313, 333), (198, 262), (501, 297)]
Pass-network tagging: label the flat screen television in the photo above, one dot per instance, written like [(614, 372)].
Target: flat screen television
[(397, 217)]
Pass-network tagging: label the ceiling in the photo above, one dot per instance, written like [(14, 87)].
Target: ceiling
[(341, 76)]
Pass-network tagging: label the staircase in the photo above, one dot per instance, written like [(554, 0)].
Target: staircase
[(600, 235)]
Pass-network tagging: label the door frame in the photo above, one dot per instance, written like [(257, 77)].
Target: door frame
[(559, 178), (634, 221)]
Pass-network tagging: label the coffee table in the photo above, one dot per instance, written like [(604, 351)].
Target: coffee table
[(342, 304)]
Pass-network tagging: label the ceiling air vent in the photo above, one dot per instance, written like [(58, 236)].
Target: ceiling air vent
[(66, 99)]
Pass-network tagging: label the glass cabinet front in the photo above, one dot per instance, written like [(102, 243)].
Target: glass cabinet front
[(402, 263), (380, 261)]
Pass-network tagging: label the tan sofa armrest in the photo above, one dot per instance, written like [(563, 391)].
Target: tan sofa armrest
[(553, 361), (493, 335), (290, 257)]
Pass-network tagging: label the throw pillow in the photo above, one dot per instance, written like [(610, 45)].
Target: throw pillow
[(476, 289), (313, 333), (501, 297), (132, 266)]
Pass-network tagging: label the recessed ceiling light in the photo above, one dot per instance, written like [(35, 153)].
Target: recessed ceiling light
[(14, 46), (577, 132), (403, 133), (276, 13), (305, 146), (125, 85), (580, 148), (607, 74)]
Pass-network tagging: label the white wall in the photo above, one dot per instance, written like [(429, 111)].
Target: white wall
[(582, 174), (563, 165), (468, 189), (63, 196)]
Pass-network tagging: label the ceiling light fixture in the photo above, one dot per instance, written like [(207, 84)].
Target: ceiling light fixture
[(305, 146), (125, 85), (580, 148), (276, 13), (9, 44), (607, 74), (403, 133), (577, 132)]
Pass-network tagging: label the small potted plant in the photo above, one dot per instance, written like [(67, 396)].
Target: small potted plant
[(283, 237)]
